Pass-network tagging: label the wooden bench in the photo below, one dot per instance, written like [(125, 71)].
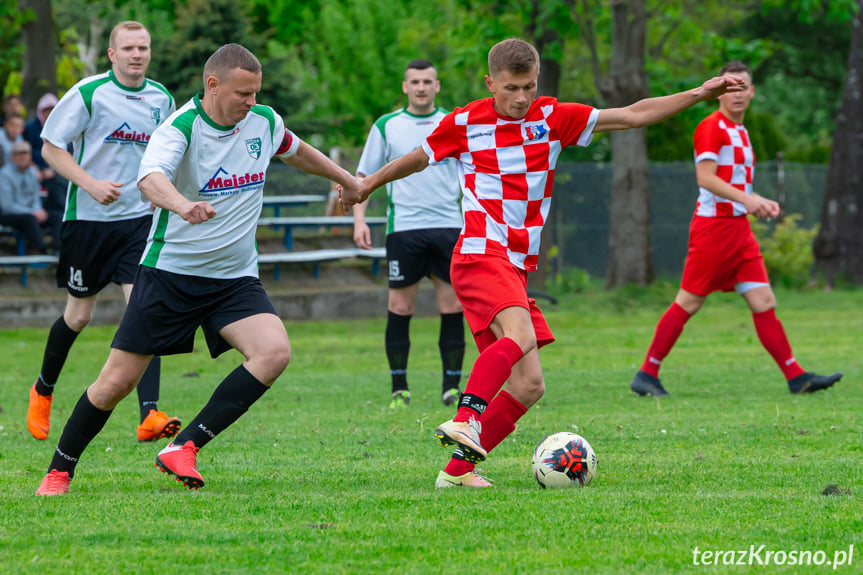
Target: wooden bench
[(27, 262), (318, 256), (289, 223)]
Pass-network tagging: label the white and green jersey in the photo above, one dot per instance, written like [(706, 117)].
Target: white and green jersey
[(428, 199), (109, 126), (225, 166)]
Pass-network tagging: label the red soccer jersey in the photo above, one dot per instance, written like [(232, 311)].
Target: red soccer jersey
[(719, 139), (506, 170)]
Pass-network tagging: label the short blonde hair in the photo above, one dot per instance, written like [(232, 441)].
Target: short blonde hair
[(514, 56), (125, 25)]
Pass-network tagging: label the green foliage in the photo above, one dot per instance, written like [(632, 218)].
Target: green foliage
[(12, 18), (569, 280), (787, 251)]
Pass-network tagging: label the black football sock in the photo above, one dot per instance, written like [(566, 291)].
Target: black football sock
[(398, 344), (148, 388), (60, 340), (229, 401), (84, 424), (451, 344)]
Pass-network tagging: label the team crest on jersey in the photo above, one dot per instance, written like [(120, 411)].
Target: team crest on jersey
[(253, 146), (155, 115), (126, 135), (535, 132), (223, 183)]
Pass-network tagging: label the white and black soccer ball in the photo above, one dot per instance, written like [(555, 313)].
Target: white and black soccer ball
[(564, 460)]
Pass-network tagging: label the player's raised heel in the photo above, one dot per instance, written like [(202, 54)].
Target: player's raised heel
[(181, 462), (465, 435), (812, 382), (646, 384), (39, 414), (157, 425)]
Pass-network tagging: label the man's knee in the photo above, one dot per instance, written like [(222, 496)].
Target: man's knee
[(77, 317)]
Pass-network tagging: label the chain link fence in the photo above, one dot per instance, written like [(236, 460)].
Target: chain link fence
[(579, 218)]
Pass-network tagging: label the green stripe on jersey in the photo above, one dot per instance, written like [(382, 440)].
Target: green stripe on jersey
[(382, 122), (88, 89), (267, 113), (157, 85), (184, 123), (158, 240), (72, 204)]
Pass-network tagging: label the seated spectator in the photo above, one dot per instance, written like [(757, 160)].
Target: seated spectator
[(12, 106), (13, 127), (52, 182), (20, 202)]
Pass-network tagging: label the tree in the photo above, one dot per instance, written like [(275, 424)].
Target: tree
[(40, 65), (839, 245), (11, 50)]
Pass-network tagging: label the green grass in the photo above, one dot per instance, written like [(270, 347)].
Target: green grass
[(321, 477)]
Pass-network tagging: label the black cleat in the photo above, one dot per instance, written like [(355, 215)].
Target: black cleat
[(812, 382), (646, 384)]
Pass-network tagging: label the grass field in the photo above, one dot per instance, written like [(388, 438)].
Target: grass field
[(322, 477)]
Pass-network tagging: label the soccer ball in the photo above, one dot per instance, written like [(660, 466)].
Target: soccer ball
[(564, 460)]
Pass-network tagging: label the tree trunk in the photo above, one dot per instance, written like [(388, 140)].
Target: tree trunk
[(629, 259), (39, 74), (839, 245)]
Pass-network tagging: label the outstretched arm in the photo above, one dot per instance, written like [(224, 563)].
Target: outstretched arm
[(410, 163), (652, 110), (312, 161)]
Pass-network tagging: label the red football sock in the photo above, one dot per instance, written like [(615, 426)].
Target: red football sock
[(668, 329), (773, 338), (498, 421), (490, 371)]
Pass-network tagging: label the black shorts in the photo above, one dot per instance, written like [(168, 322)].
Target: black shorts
[(94, 254), (165, 310), (415, 254)]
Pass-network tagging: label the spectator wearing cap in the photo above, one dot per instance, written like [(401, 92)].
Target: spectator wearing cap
[(20, 202), (54, 184)]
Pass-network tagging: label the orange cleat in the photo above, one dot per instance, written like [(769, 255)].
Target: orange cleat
[(158, 425), (39, 414)]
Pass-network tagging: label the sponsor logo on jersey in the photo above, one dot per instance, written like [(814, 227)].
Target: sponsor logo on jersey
[(126, 135), (229, 134), (480, 134), (155, 115), (425, 123), (535, 132), (133, 97), (225, 184), (253, 147)]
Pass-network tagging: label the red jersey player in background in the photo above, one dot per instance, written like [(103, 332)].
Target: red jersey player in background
[(723, 253), (507, 147)]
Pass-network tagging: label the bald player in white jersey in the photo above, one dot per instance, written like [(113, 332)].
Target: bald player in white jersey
[(205, 171), (423, 224), (108, 120)]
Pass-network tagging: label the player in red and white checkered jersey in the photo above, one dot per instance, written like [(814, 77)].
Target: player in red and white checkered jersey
[(723, 253), (506, 147)]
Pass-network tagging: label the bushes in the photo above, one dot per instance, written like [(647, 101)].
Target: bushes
[(787, 251)]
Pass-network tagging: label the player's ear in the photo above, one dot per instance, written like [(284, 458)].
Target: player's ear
[(489, 83)]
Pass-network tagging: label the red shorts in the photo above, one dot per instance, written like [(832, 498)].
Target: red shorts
[(722, 253), (485, 285)]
